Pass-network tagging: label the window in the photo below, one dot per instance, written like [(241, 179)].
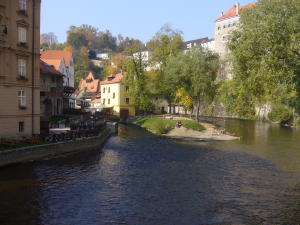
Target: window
[(224, 26), (21, 126), (53, 79), (127, 100), (22, 64), (114, 95), (22, 5), (108, 89), (127, 88), (22, 98), (108, 102), (104, 101), (22, 31), (219, 28), (103, 90)]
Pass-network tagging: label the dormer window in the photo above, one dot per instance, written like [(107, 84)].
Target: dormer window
[(22, 5)]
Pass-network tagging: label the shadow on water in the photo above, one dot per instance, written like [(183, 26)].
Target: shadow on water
[(140, 178)]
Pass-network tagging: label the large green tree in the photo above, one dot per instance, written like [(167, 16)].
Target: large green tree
[(137, 80), (166, 43), (265, 54), (193, 72)]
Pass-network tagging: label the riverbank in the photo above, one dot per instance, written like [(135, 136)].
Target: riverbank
[(46, 151), (211, 133), (190, 131)]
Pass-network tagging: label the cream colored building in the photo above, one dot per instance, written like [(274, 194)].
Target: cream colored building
[(224, 25), (115, 98), (19, 67)]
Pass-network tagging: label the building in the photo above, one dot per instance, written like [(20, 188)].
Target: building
[(225, 24), (204, 42), (88, 91), (63, 61), (19, 67), (114, 96), (51, 91)]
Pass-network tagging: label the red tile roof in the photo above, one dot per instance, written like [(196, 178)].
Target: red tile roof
[(53, 62), (57, 55), (90, 83), (113, 78), (232, 12), (48, 69)]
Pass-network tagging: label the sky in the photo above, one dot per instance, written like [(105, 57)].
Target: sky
[(139, 19)]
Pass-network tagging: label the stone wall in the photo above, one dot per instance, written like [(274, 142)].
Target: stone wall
[(38, 152)]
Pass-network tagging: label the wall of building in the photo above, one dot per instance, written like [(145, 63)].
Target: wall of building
[(222, 29), (119, 102), (10, 52), (34, 153)]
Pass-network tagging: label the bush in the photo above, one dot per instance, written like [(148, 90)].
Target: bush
[(280, 114), (194, 125), (157, 125), (163, 126)]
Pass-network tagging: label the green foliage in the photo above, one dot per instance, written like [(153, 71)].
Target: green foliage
[(191, 124), (136, 79), (195, 71), (265, 56), (163, 126), (280, 114), (157, 125)]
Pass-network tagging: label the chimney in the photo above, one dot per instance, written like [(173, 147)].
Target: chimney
[(237, 8)]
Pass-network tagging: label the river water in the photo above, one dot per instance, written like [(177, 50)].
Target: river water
[(142, 179)]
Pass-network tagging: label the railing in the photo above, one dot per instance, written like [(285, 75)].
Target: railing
[(78, 133)]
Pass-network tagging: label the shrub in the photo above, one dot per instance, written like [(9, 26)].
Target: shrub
[(280, 114), (194, 125)]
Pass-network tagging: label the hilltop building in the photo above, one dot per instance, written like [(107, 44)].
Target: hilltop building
[(224, 25), (19, 67), (204, 42)]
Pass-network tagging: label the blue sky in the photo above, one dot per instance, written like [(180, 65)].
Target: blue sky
[(134, 18)]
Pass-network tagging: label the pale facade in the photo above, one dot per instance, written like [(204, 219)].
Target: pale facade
[(114, 95), (19, 67), (224, 25)]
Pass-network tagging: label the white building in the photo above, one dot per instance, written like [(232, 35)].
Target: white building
[(63, 61)]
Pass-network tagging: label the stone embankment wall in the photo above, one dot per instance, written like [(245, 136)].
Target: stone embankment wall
[(33, 153)]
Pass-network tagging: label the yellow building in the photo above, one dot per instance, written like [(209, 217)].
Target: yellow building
[(115, 98), (19, 67)]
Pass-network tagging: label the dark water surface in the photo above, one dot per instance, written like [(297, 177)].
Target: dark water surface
[(147, 180)]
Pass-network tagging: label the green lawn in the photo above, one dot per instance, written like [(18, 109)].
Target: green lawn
[(163, 126)]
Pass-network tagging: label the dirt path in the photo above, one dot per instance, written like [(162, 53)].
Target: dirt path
[(209, 134)]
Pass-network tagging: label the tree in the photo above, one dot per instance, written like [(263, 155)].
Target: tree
[(125, 43), (265, 53), (165, 44), (136, 79), (195, 72), (48, 40)]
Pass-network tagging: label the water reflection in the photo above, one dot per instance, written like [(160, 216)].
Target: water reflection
[(139, 178)]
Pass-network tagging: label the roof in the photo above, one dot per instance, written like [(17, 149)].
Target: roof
[(233, 12), (113, 79), (48, 69), (57, 54), (90, 83), (197, 42), (53, 62)]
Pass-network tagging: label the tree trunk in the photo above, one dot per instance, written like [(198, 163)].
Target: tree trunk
[(198, 110), (192, 110)]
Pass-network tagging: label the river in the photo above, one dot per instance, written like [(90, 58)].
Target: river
[(141, 179)]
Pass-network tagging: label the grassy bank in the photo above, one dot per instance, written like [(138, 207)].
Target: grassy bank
[(163, 126)]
